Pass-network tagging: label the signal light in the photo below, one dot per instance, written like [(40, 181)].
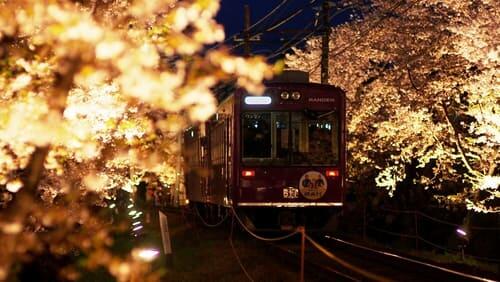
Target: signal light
[(248, 173), (332, 173), (296, 95), (285, 95)]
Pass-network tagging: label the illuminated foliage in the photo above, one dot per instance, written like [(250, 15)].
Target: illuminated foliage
[(92, 96), (422, 80)]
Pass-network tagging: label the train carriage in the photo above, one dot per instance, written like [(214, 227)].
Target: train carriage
[(278, 159)]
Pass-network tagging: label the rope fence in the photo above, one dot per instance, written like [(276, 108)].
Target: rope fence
[(345, 264), (208, 224), (230, 239), (417, 237), (392, 233), (440, 220), (236, 253), (302, 231), (260, 237)]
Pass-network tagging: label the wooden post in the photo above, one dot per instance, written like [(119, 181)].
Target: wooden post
[(246, 31), (415, 218), (178, 165), (364, 220), (302, 230), (325, 42), (165, 238)]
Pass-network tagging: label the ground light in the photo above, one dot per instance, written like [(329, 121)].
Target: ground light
[(465, 239), (146, 255), (461, 232)]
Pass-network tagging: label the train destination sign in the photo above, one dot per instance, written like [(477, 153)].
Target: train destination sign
[(321, 100), (258, 100)]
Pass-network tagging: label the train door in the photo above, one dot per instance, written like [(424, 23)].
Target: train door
[(219, 177), (193, 155)]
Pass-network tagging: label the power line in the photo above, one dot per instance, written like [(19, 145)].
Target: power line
[(291, 16), (252, 26), (279, 22), (391, 10), (344, 48), (285, 48), (269, 14)]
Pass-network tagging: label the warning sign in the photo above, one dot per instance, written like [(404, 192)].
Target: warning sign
[(312, 185)]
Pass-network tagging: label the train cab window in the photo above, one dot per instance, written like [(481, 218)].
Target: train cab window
[(256, 130), (296, 138), (265, 138), (315, 138)]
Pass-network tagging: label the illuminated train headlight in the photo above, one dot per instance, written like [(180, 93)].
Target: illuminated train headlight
[(285, 95), (296, 95)]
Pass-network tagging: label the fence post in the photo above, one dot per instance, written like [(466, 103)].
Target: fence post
[(415, 218), (364, 220), (302, 230)]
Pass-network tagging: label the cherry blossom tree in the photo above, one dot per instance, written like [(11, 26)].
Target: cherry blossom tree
[(93, 94), (422, 83)]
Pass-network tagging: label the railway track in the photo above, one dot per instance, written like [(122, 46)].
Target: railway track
[(381, 265)]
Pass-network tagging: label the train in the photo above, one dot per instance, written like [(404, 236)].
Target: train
[(277, 159)]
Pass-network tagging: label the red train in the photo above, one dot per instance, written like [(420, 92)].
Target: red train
[(277, 159)]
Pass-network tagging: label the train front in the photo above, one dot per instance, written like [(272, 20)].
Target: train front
[(289, 157)]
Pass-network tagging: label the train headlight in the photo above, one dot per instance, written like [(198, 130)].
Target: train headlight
[(296, 95), (285, 95)]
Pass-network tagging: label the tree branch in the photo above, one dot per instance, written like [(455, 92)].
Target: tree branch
[(457, 137), (411, 79), (33, 172)]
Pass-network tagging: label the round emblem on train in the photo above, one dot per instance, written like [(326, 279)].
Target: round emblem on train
[(312, 185)]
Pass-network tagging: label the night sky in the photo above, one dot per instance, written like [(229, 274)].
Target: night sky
[(300, 25)]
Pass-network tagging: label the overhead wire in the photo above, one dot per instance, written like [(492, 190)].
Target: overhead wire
[(291, 16), (252, 26), (285, 48), (344, 48), (268, 14), (279, 22), (391, 10)]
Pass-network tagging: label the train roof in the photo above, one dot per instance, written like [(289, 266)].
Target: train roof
[(223, 91)]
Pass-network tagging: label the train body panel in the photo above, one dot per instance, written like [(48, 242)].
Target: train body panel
[(290, 187)]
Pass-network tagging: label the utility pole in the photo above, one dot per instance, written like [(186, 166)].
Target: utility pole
[(246, 31), (325, 41)]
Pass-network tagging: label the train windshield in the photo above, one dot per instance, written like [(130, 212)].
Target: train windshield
[(290, 138)]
